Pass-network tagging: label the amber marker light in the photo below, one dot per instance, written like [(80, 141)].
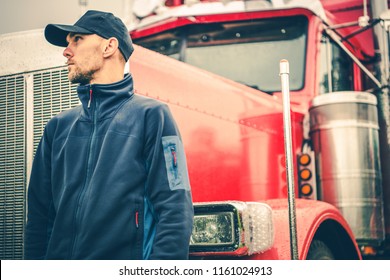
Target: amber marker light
[(304, 159), (306, 189), (368, 250), (305, 174)]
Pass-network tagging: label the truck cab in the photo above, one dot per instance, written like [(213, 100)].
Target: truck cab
[(332, 50), (216, 65)]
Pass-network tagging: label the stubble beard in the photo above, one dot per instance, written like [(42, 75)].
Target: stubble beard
[(81, 78)]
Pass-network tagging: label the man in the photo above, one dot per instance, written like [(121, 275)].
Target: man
[(109, 178)]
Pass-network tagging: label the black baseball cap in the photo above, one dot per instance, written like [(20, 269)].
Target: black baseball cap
[(104, 24)]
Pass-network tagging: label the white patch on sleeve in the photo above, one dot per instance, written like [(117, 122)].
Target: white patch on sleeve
[(175, 162)]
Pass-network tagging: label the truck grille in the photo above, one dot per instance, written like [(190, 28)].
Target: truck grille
[(12, 167), (52, 93)]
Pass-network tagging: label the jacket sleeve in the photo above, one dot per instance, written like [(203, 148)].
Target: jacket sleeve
[(168, 186), (39, 203)]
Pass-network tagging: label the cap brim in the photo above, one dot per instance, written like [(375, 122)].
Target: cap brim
[(56, 33)]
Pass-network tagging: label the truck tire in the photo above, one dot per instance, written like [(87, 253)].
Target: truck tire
[(319, 251)]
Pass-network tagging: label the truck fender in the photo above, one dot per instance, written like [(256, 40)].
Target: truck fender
[(316, 220)]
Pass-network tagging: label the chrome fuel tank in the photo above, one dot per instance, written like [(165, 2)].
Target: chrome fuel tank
[(344, 132)]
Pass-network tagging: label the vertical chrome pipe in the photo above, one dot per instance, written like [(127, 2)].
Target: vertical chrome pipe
[(284, 77)]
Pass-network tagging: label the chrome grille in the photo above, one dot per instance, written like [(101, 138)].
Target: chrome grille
[(53, 93), (12, 166)]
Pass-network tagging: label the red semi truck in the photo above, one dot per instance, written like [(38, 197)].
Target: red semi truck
[(216, 64), (230, 115)]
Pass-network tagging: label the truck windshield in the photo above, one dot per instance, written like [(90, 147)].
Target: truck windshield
[(247, 51)]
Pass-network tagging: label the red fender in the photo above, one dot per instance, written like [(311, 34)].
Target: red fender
[(310, 216)]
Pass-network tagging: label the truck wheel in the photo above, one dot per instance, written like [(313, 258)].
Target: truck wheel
[(319, 251)]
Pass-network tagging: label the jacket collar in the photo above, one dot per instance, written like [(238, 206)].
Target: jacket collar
[(103, 100)]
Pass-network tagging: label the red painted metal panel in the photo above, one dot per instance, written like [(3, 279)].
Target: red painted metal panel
[(232, 133)]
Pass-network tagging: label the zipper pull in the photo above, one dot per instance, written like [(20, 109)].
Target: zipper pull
[(90, 97), (174, 156), (136, 219)]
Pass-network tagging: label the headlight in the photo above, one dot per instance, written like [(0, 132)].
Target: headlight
[(213, 229), (231, 228)]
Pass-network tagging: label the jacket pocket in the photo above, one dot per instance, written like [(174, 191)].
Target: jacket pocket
[(175, 163)]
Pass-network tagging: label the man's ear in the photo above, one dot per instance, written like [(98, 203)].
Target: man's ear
[(110, 47)]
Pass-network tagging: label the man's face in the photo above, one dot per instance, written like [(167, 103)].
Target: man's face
[(84, 57)]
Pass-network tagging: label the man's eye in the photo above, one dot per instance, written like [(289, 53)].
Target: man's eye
[(77, 38)]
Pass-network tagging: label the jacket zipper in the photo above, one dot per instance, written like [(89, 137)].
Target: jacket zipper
[(174, 160), (137, 219), (90, 96), (174, 156), (88, 171)]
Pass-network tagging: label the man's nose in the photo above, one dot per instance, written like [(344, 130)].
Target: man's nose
[(67, 52)]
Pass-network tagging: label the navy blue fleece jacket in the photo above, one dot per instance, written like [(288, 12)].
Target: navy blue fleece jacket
[(109, 181)]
